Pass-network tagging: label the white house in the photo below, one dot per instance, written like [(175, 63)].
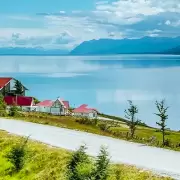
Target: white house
[(57, 107), (84, 111)]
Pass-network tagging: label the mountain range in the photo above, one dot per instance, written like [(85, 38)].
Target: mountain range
[(175, 50), (31, 51), (145, 45)]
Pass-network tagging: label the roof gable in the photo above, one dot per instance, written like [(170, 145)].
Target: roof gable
[(84, 109), (66, 104), (46, 103), (4, 81), (57, 103), (50, 103)]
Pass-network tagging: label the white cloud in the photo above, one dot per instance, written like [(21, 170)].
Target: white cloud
[(154, 32), (62, 75), (62, 12), (35, 38), (101, 2), (65, 30), (144, 7), (173, 23), (168, 22)]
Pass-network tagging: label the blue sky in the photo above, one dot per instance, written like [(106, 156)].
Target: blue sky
[(63, 24)]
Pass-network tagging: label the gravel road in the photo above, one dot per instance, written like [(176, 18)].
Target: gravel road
[(161, 161)]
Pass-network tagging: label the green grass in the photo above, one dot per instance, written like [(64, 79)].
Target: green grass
[(48, 163), (115, 129)]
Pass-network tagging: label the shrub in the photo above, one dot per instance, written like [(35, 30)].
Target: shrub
[(77, 166), (13, 111), (167, 143), (82, 167), (3, 113), (2, 107), (17, 155), (95, 121), (85, 171), (85, 120), (102, 165), (103, 126)]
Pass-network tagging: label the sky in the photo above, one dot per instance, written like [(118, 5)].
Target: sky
[(63, 24), (102, 82)]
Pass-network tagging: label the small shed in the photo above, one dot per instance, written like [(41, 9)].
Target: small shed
[(84, 111)]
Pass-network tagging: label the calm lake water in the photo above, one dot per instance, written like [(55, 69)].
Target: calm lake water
[(102, 82)]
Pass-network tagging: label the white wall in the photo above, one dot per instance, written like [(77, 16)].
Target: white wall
[(91, 115), (57, 111), (43, 109), (52, 110), (12, 83)]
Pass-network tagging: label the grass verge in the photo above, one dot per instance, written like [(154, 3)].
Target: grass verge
[(48, 163), (106, 128)]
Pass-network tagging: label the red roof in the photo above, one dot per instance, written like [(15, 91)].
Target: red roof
[(49, 103), (46, 103), (4, 81), (18, 100), (84, 109), (66, 103)]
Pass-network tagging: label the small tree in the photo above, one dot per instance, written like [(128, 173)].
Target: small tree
[(102, 165), (162, 114), (82, 167), (130, 114), (78, 162), (18, 88), (17, 155), (3, 106)]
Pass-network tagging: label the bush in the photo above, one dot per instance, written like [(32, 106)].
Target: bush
[(82, 167), (103, 126), (102, 165), (78, 167), (95, 121), (85, 120), (17, 155), (3, 107), (13, 111), (3, 113), (85, 171), (167, 143)]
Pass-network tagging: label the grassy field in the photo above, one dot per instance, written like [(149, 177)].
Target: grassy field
[(112, 129), (43, 162)]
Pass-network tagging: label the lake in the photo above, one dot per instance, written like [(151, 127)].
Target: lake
[(102, 82)]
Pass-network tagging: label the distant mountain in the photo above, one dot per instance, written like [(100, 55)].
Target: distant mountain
[(175, 50), (146, 45), (31, 51)]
